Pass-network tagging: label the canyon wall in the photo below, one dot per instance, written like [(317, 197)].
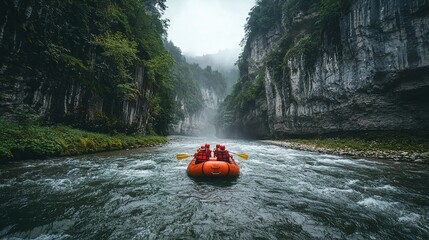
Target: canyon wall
[(98, 66), (366, 69)]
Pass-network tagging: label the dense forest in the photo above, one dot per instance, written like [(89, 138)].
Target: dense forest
[(98, 65), (101, 66)]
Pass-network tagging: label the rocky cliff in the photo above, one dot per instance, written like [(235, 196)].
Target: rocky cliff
[(100, 66), (329, 66)]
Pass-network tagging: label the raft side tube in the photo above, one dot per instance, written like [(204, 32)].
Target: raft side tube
[(213, 168)]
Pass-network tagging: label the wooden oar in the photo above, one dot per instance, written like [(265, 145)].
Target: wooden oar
[(241, 155), (181, 156)]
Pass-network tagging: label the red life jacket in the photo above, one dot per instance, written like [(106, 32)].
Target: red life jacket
[(223, 155), (215, 152), (201, 156)]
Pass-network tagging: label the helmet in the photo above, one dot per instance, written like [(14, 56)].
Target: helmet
[(222, 147), (207, 145), (218, 145)]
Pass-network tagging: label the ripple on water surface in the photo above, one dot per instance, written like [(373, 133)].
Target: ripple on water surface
[(280, 194)]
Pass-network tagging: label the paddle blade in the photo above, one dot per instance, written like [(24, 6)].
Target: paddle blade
[(181, 156), (243, 156)]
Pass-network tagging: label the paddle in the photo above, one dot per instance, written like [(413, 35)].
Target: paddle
[(181, 156), (241, 155)]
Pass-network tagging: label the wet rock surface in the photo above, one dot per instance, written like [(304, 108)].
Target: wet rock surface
[(375, 77)]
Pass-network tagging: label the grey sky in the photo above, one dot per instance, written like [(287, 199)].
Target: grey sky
[(200, 27)]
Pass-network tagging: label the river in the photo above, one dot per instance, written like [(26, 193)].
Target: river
[(280, 194)]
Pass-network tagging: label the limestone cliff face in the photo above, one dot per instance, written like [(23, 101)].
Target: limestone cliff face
[(55, 101), (51, 66), (374, 76)]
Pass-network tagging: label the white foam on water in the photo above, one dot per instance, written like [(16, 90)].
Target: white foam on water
[(333, 161), (5, 185), (105, 173), (262, 162), (340, 161), (27, 182), (321, 167), (352, 182), (387, 188), (59, 184), (302, 186), (73, 171), (376, 204), (143, 163), (245, 170), (180, 167), (383, 188), (136, 173), (332, 191), (409, 217)]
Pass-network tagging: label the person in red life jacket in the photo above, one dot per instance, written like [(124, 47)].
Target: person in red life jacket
[(196, 152), (208, 151), (201, 155), (223, 154), (216, 150)]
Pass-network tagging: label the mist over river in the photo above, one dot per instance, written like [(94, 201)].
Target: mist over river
[(280, 194)]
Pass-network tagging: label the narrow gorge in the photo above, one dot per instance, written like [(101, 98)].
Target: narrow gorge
[(199, 93)]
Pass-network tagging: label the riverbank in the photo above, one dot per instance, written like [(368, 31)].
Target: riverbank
[(37, 142), (410, 147)]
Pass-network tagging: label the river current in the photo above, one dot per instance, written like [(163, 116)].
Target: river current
[(280, 194)]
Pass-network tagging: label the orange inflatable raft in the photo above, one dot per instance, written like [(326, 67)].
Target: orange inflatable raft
[(213, 168)]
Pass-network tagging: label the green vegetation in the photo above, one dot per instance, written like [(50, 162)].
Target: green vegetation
[(295, 41), (121, 52), (97, 45), (292, 7), (276, 60), (246, 94), (263, 17), (304, 26), (35, 141), (243, 99), (305, 47), (189, 79), (329, 19), (330, 10), (372, 141)]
